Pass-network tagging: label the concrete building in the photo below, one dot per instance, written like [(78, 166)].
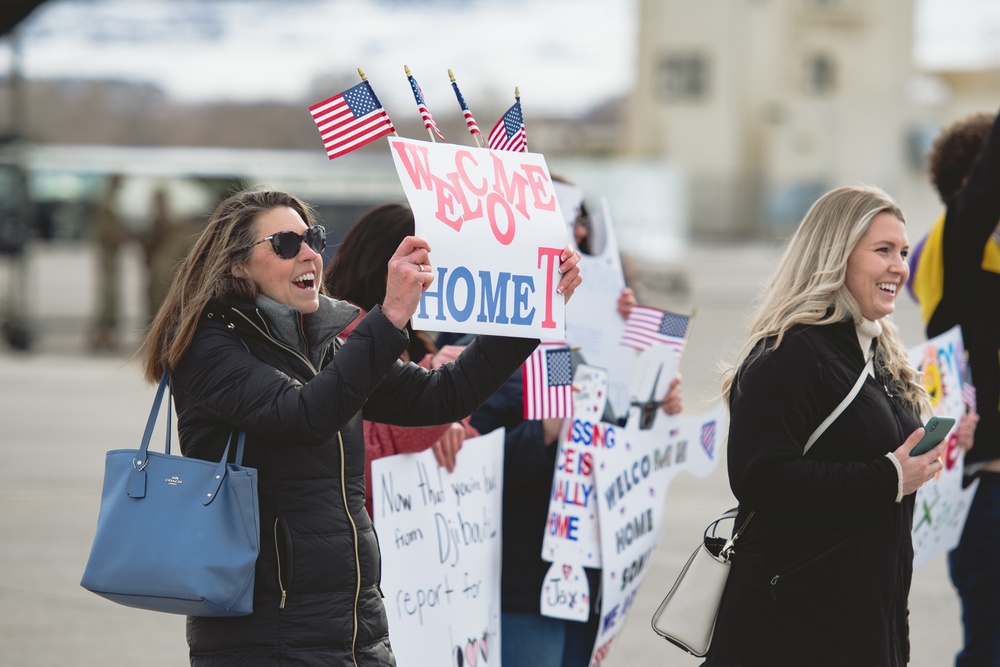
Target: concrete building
[(768, 103)]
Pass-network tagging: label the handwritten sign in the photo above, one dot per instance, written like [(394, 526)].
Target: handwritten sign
[(565, 593), (571, 530), (942, 504), (496, 232), (440, 540), (632, 482)]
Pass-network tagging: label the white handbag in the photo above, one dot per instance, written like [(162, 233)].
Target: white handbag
[(687, 615)]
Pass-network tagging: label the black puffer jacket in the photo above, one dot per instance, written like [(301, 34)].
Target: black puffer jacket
[(299, 392)]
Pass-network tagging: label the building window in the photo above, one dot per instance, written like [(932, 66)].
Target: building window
[(820, 74), (682, 77)]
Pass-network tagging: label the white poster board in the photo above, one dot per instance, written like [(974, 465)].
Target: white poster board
[(496, 232), (440, 540), (942, 504), (632, 483)]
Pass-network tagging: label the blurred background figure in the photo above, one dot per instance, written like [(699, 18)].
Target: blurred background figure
[(165, 243), (109, 234)]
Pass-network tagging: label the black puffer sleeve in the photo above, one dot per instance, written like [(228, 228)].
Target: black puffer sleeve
[(221, 375), (412, 396)]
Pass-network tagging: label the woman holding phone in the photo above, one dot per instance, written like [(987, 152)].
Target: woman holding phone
[(821, 574)]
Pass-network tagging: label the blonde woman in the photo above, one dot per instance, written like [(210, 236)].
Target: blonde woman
[(822, 571)]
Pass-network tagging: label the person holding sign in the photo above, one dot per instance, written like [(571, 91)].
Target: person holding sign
[(251, 342), (821, 574), (965, 290), (358, 274), (531, 639)]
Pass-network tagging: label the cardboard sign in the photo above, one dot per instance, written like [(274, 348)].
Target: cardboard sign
[(632, 484), (440, 539), (942, 504), (493, 222)]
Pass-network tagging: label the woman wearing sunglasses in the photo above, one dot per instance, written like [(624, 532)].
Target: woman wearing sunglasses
[(252, 344)]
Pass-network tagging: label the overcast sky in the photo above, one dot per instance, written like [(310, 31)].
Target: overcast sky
[(565, 55)]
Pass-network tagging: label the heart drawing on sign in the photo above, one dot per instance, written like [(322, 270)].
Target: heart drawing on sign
[(567, 570), (484, 646), (472, 652)]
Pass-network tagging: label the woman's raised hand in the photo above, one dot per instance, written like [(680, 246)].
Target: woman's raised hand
[(410, 274)]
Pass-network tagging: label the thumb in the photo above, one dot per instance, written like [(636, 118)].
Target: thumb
[(911, 441)]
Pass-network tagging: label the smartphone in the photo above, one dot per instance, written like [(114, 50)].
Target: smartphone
[(935, 430)]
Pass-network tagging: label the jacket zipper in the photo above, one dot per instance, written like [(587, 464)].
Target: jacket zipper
[(277, 342), (357, 556), (343, 491), (277, 554), (776, 578)]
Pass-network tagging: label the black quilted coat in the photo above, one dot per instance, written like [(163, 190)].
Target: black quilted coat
[(300, 393)]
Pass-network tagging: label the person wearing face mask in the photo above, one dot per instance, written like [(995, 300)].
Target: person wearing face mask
[(251, 342), (821, 573)]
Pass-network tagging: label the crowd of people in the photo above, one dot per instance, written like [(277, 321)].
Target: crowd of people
[(322, 385)]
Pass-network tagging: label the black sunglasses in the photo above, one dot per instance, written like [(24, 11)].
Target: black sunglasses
[(287, 244)]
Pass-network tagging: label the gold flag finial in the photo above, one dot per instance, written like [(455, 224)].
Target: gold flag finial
[(451, 76), (407, 70), (361, 73), (517, 93)]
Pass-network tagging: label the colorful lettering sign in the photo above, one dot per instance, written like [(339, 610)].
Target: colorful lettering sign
[(496, 233), (942, 504)]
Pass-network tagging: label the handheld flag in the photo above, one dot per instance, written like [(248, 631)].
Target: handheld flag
[(508, 134), (349, 120), (548, 382), (647, 326), (425, 115), (469, 120)]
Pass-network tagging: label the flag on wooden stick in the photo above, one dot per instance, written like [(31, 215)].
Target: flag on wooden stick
[(508, 134), (349, 120), (548, 382), (469, 120), (425, 115), (647, 326)]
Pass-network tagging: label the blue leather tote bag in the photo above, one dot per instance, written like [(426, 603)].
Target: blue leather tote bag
[(176, 534)]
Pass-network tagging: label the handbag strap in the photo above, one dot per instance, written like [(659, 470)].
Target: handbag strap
[(139, 462), (731, 514), (840, 408), (136, 487)]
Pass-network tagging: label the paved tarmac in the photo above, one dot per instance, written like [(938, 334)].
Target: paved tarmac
[(61, 408)]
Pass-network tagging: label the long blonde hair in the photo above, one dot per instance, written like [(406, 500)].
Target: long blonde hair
[(809, 287), (206, 275)]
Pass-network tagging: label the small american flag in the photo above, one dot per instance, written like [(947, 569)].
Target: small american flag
[(648, 326), (425, 115), (469, 120), (548, 382), (508, 134), (351, 119), (968, 389), (708, 438)]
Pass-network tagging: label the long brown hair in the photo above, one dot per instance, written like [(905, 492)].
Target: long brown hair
[(206, 275)]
